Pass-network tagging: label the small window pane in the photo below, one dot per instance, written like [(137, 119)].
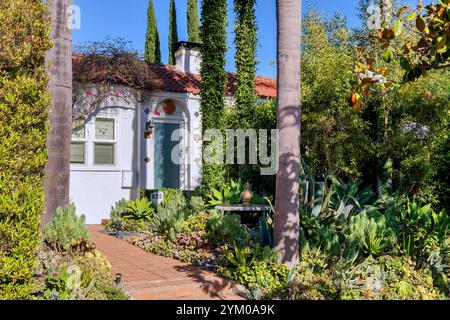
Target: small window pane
[(103, 153), (77, 152), (78, 129), (104, 129)]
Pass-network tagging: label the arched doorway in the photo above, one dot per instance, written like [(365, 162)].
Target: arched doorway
[(169, 143)]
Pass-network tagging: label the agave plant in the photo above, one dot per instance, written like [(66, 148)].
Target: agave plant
[(316, 197), (141, 209), (361, 199), (227, 194)]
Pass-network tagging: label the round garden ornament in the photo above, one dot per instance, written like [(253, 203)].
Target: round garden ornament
[(169, 107), (247, 195)]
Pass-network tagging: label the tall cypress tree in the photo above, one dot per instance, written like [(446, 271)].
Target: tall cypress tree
[(152, 43), (245, 41), (173, 31), (245, 59), (214, 46), (192, 20)]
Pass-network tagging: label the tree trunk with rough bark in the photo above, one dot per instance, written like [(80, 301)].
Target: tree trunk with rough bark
[(59, 64), (287, 220)]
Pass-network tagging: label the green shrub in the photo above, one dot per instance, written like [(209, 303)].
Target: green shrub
[(255, 268), (196, 204), (85, 276), (196, 223), (24, 100), (421, 229), (66, 230), (391, 278), (169, 221), (372, 234), (118, 210), (172, 197), (226, 228)]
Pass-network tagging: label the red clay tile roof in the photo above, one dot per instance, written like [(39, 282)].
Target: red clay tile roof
[(167, 78)]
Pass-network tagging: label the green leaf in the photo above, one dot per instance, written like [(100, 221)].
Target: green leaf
[(420, 23), (444, 5), (404, 63), (411, 16), (398, 28), (388, 55)]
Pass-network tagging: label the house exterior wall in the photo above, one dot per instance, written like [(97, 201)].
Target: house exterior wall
[(95, 188)]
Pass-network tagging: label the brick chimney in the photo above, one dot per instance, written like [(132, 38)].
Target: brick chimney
[(188, 57)]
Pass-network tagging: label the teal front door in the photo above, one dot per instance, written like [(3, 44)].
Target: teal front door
[(167, 152)]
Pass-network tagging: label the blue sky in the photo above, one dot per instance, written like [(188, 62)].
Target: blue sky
[(127, 19)]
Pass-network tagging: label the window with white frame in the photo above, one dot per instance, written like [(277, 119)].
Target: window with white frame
[(104, 142), (78, 144)]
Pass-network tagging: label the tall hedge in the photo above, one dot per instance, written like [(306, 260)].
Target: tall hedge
[(213, 35), (173, 31), (152, 42), (192, 21), (24, 101)]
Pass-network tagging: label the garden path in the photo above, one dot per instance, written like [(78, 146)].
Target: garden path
[(150, 277)]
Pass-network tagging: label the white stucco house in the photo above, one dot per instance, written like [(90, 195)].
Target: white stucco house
[(126, 144)]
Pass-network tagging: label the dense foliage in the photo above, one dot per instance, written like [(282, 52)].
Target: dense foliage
[(70, 268), (173, 31), (24, 41), (66, 231), (152, 41), (192, 21), (213, 35), (84, 276)]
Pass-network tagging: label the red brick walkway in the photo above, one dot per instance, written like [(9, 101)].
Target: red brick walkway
[(151, 277)]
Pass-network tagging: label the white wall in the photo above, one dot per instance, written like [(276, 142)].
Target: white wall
[(95, 188)]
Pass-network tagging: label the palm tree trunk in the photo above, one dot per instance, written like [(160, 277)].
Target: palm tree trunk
[(59, 64), (286, 227)]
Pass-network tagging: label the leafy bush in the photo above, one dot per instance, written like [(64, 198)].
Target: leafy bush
[(118, 210), (172, 197), (197, 204), (67, 231), (389, 277), (227, 194), (169, 221), (24, 101), (372, 234), (84, 276), (255, 268), (226, 228), (421, 229), (140, 209)]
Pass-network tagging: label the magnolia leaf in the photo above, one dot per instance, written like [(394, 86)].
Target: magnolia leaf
[(420, 23), (398, 28), (388, 55), (404, 63), (402, 10), (387, 34)]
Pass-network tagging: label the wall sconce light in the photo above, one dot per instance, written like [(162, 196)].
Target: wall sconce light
[(149, 129)]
